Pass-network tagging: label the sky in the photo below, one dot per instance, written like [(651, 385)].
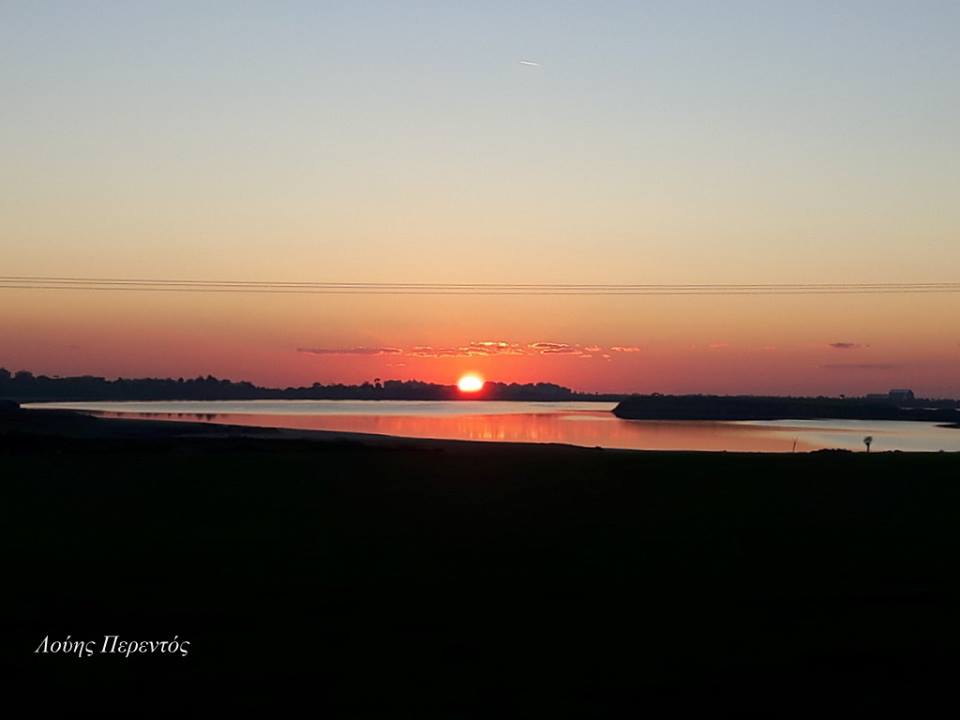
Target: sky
[(494, 142)]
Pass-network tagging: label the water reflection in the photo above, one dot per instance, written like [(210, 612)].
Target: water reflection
[(588, 424), (585, 428)]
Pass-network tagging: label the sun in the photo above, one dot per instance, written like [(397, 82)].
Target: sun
[(470, 383)]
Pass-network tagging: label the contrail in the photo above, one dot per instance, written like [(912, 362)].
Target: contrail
[(530, 63)]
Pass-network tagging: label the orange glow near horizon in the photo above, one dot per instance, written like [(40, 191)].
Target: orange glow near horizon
[(726, 345), (470, 383)]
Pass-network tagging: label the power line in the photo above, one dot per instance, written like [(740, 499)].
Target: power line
[(157, 281), (38, 282)]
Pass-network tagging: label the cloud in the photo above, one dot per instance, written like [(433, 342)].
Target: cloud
[(859, 366), (845, 345), (352, 351), (494, 347), (428, 351), (481, 348), (554, 348), (718, 346)]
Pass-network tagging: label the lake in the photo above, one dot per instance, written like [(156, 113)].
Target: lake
[(577, 423)]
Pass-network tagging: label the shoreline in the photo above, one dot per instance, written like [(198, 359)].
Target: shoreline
[(80, 423)]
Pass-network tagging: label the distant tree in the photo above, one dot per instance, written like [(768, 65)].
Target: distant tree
[(868, 441), (4, 374)]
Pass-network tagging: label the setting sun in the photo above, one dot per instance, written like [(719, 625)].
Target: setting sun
[(470, 383)]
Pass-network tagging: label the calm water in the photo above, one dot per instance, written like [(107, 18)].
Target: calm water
[(588, 424)]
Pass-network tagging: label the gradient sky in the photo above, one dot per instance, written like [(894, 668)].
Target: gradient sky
[(658, 142)]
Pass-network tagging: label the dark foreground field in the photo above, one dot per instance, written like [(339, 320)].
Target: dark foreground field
[(454, 580)]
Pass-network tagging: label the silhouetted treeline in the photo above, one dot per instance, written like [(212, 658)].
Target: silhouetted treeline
[(748, 407), (25, 386)]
